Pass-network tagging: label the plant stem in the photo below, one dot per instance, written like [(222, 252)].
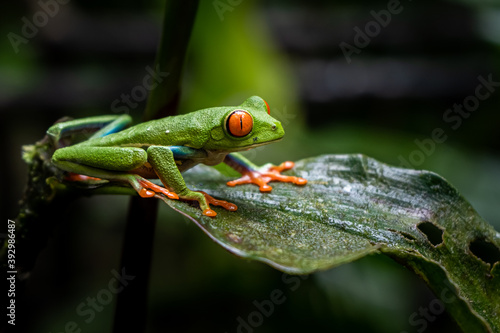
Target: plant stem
[(177, 25), (132, 304)]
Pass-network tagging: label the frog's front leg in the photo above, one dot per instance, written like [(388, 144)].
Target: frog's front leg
[(251, 174), (163, 161)]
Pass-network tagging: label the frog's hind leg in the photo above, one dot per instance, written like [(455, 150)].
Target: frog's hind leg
[(116, 125), (111, 164), (70, 132), (141, 185)]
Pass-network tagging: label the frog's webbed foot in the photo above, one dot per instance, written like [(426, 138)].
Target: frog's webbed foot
[(216, 202), (205, 200), (262, 178), (144, 187), (149, 189)]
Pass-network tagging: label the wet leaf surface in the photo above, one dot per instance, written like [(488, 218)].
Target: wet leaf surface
[(353, 206)]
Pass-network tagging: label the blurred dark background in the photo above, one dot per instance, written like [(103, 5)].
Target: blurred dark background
[(384, 100)]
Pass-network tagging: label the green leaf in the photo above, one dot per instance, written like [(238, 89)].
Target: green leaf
[(353, 206)]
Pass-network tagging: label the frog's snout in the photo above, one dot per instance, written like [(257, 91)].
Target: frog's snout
[(278, 129)]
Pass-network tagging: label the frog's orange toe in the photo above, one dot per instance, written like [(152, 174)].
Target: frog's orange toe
[(209, 212), (149, 189), (300, 181), (231, 207), (265, 188), (262, 178), (171, 195), (216, 202), (146, 193), (287, 165), (235, 182)]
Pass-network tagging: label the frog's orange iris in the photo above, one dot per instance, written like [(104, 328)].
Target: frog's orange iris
[(239, 123)]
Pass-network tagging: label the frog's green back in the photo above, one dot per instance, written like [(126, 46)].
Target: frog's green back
[(200, 129)]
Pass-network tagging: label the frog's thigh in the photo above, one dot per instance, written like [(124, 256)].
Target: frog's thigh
[(76, 159), (163, 161)]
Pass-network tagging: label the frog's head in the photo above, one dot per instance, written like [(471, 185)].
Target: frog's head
[(245, 126)]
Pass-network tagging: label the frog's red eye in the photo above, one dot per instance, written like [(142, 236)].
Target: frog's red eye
[(268, 108), (239, 123)]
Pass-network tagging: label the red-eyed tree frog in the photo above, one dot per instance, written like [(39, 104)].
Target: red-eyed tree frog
[(166, 147)]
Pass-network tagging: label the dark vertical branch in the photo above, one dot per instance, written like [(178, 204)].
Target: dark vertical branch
[(177, 25), (131, 307)]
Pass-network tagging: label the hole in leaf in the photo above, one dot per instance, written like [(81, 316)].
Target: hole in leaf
[(434, 234), (485, 250)]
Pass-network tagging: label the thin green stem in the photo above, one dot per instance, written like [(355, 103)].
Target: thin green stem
[(131, 307), (177, 25)]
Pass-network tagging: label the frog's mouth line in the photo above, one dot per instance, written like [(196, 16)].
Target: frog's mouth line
[(254, 145)]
